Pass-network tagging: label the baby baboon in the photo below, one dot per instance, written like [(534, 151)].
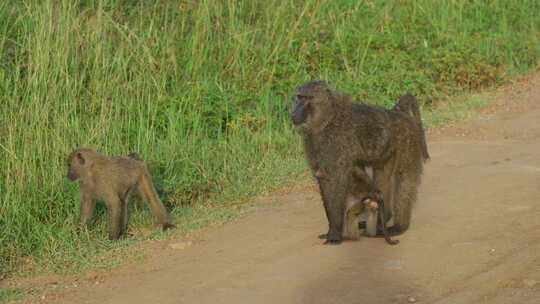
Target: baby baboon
[(339, 136), (111, 179), (364, 198), (408, 104)]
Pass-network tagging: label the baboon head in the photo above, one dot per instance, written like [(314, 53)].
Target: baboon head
[(312, 105), (77, 162)]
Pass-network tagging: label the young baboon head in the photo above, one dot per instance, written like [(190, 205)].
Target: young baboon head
[(77, 162), (312, 105)]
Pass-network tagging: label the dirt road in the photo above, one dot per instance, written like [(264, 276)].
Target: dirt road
[(475, 235)]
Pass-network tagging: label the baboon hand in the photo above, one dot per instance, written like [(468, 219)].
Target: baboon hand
[(371, 204), (373, 198), (320, 174)]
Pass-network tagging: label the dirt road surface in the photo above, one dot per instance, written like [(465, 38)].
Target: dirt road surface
[(475, 235)]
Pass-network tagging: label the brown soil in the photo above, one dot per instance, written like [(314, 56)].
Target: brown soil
[(475, 235)]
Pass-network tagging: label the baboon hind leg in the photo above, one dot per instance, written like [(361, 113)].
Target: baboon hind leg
[(406, 191)]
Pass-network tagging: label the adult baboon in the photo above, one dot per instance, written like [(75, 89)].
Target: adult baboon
[(111, 179), (340, 136)]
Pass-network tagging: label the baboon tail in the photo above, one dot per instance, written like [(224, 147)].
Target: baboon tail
[(409, 104), (149, 194)]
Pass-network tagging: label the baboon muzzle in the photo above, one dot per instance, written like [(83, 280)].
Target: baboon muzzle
[(300, 112)]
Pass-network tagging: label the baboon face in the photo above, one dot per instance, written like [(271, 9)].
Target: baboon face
[(76, 162), (310, 101)]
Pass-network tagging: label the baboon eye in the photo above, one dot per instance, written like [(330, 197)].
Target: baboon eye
[(304, 97), (81, 158)]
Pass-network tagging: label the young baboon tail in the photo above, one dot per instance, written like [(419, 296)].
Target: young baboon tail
[(148, 193), (408, 104)]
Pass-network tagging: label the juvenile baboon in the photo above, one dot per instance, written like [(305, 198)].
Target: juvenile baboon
[(339, 136), (111, 179)]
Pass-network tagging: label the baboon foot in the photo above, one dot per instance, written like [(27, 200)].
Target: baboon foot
[(332, 241), (114, 237), (390, 230), (168, 226)]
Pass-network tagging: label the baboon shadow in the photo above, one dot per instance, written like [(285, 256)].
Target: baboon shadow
[(370, 271)]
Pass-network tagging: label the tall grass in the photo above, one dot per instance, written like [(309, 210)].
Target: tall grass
[(200, 90)]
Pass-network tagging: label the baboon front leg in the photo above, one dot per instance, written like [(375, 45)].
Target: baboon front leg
[(124, 207), (334, 191), (114, 208), (86, 208)]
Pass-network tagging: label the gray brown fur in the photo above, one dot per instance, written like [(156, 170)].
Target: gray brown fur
[(408, 104), (111, 179), (339, 136)]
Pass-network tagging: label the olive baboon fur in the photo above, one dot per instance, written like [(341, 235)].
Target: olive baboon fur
[(339, 136), (408, 104), (111, 179)]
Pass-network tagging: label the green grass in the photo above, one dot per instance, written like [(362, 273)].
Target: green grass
[(458, 108), (200, 89), (11, 294)]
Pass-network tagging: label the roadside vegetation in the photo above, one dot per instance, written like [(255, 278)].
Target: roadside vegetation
[(201, 88)]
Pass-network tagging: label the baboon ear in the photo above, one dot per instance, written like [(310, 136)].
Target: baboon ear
[(80, 158), (329, 93)]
